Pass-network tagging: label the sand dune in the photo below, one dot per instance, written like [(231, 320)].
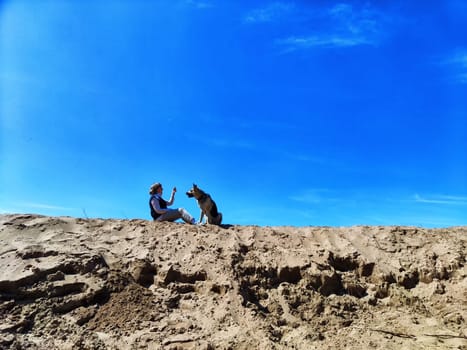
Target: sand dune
[(71, 283)]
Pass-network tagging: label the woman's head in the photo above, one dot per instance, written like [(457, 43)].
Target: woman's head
[(155, 187)]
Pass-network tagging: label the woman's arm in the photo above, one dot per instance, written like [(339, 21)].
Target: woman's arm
[(172, 197)]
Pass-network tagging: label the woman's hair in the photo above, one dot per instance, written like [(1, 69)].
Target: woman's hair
[(154, 187)]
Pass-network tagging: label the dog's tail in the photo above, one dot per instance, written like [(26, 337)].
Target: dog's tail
[(216, 220)]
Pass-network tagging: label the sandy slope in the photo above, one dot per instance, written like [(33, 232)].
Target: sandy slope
[(68, 283)]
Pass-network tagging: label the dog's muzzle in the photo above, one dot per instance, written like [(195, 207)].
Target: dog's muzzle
[(189, 194)]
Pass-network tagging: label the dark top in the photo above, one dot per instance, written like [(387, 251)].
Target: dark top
[(162, 204)]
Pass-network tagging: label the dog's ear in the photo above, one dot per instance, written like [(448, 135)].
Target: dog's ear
[(194, 186)]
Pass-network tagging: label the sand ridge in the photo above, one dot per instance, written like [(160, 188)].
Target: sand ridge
[(73, 283)]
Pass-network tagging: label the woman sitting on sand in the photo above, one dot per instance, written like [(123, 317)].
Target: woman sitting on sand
[(159, 210)]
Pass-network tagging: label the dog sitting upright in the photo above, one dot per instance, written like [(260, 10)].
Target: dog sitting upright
[(206, 204)]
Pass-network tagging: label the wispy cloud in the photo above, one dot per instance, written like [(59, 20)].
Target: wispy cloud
[(303, 157), (441, 199), (199, 4), (335, 41), (327, 195), (314, 196), (22, 207), (365, 20), (343, 26), (340, 26), (246, 122), (262, 124), (225, 143), (363, 25), (29, 205), (414, 220), (269, 13), (457, 63), (360, 206)]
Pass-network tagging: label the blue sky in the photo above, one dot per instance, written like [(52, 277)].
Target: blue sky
[(286, 112)]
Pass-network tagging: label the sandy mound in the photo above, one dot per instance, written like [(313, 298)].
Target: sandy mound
[(70, 283)]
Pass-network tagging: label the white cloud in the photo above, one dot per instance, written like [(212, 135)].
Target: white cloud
[(44, 206), (365, 21), (302, 157), (313, 196), (441, 199), (270, 13), (340, 26), (27, 207), (199, 4), (413, 220), (309, 198), (229, 143), (462, 78), (327, 195), (457, 62), (335, 41)]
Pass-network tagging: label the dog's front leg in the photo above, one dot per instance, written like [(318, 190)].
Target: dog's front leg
[(201, 217)]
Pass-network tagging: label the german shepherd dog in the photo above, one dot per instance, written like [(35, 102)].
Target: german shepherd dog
[(206, 204)]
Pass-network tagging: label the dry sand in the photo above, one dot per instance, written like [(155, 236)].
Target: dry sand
[(70, 283)]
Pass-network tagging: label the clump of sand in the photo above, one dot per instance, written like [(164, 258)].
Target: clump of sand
[(70, 283)]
